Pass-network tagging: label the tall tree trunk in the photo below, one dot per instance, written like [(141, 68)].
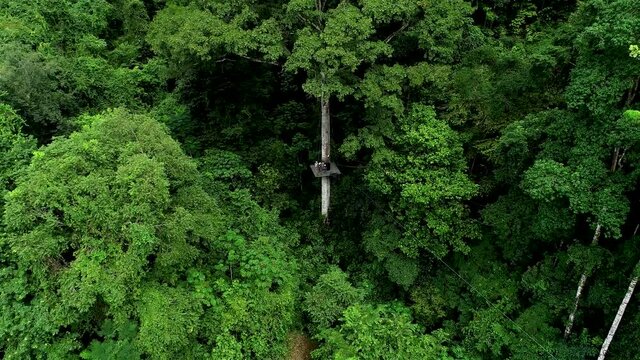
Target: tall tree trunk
[(618, 318), (581, 283), (616, 158), (325, 154)]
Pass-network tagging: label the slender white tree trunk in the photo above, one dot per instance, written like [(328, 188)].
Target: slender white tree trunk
[(618, 318), (325, 154), (581, 283), (616, 158)]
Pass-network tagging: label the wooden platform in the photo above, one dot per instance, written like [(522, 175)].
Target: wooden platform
[(318, 170)]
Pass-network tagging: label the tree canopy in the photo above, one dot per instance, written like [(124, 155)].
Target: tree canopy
[(157, 200)]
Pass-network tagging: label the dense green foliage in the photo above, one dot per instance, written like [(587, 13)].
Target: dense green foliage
[(157, 201)]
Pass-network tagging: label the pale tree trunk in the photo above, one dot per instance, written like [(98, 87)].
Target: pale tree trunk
[(581, 283), (325, 154), (618, 318), (616, 158)]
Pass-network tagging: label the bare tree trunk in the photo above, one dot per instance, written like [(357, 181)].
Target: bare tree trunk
[(596, 236), (581, 283), (618, 318), (325, 154)]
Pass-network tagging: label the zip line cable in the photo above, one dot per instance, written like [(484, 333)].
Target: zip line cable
[(473, 288)]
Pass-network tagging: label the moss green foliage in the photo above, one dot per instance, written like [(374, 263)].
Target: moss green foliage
[(16, 148), (330, 297), (380, 332), (112, 227), (157, 201)]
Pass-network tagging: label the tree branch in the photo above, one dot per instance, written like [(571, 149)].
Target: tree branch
[(274, 63), (395, 33), (306, 21), (225, 59)]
